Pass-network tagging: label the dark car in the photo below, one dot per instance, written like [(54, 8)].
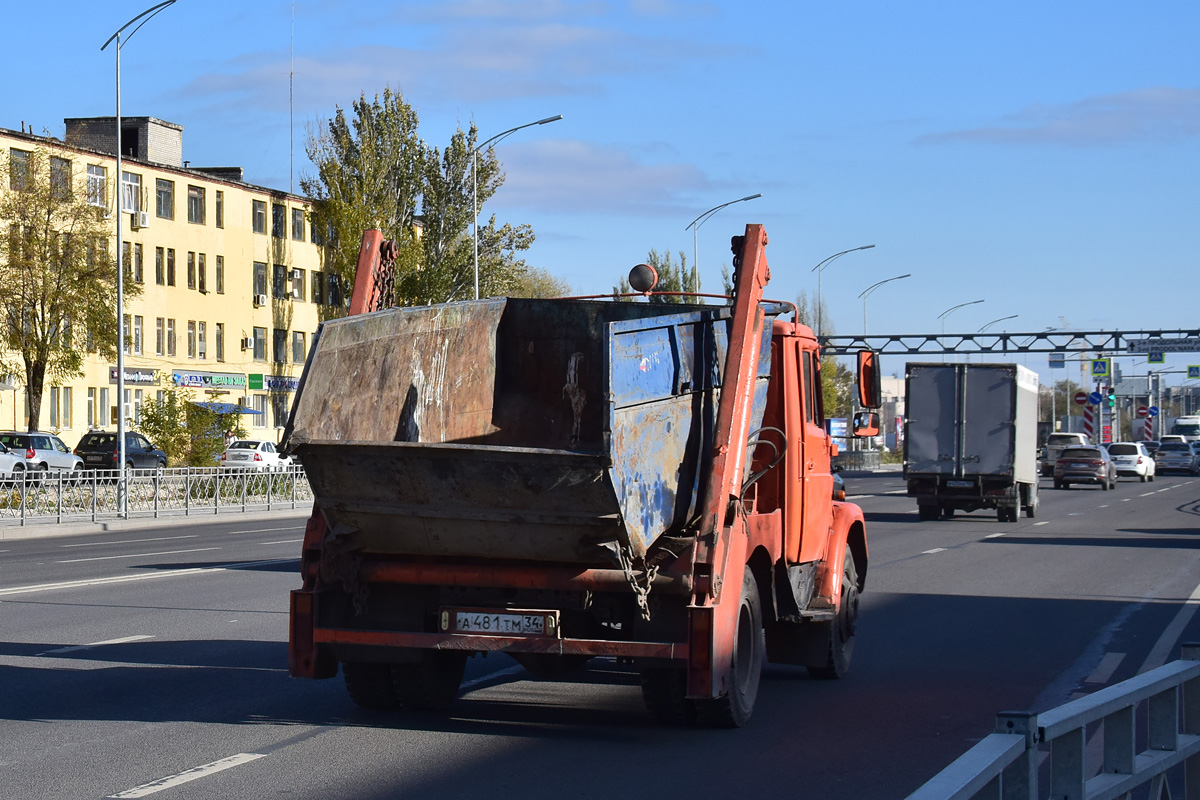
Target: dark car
[(98, 449), (1081, 464)]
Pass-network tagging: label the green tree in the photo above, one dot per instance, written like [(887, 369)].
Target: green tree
[(59, 281), (672, 277), (1063, 403), (189, 434)]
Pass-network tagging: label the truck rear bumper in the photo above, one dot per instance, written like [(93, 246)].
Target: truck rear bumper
[(511, 644)]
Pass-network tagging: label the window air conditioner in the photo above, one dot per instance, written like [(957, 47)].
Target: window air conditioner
[(247, 342), (140, 219), (260, 300)]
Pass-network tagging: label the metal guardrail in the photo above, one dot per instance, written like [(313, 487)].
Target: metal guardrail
[(96, 495), (1005, 764)]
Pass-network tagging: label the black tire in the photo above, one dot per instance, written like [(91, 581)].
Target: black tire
[(733, 710), (1031, 501), (947, 512), (370, 685), (432, 683), (664, 691), (1058, 484), (1066, 484), (1141, 478), (927, 513), (1104, 487), (843, 628)]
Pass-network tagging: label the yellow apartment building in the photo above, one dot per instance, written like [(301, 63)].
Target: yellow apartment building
[(232, 281)]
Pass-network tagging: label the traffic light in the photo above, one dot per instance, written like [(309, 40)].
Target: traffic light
[(1110, 395)]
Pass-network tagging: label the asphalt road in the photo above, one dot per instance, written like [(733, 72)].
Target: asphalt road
[(151, 662)]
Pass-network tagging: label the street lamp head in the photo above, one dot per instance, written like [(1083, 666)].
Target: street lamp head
[(555, 118)]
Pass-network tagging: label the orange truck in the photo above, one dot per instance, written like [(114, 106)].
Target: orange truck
[(571, 478)]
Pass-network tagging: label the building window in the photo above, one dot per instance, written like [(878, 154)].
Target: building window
[(202, 339), (297, 276), (53, 406), (131, 192), (191, 270), (280, 409), (220, 334), (125, 326), (202, 274), (260, 344), (279, 346), (159, 336), (318, 287), (164, 199), (60, 178), (18, 169), (170, 266), (137, 406), (219, 209), (137, 336), (66, 408), (298, 351), (279, 281), (196, 204), (334, 290), (138, 266), (91, 407), (160, 274), (278, 221), (260, 278), (191, 338), (97, 186), (260, 405), (220, 270), (298, 224), (170, 338), (258, 216)]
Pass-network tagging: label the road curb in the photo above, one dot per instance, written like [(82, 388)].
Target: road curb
[(46, 530)]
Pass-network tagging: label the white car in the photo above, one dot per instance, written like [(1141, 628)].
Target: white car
[(1132, 460), (253, 454)]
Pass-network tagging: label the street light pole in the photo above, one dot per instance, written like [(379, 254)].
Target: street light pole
[(942, 316), (475, 184), (820, 268), (122, 494), (695, 226), (999, 319), (866, 292)]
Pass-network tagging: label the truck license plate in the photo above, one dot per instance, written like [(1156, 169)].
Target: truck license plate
[(960, 484), (489, 622)]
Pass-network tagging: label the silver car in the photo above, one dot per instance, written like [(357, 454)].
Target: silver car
[(11, 464), (42, 451), (1177, 456)]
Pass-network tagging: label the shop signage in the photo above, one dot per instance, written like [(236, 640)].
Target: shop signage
[(209, 380), (135, 376)]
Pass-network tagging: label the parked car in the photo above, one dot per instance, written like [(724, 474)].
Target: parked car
[(1132, 460), (1176, 457), (12, 464), (43, 451), (1084, 465), (253, 454), (99, 450)]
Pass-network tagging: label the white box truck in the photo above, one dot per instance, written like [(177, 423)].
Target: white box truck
[(971, 439)]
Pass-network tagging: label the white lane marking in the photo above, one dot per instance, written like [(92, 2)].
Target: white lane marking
[(187, 776), (497, 674), (1166, 643), (1145, 494), (1126, 500), (137, 555), (1103, 506), (1075, 514), (168, 573), (934, 550), (133, 541), (993, 536), (264, 530), (79, 647), (1166, 489), (1040, 523), (1105, 669), (286, 541)]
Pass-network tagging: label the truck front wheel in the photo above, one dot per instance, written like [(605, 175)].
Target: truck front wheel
[(733, 710), (843, 627)]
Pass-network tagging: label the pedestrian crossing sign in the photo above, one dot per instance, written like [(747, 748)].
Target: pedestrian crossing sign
[(1100, 368), (1156, 357), (1193, 371)]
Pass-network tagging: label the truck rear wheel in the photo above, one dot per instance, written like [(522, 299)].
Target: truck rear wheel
[(432, 682), (927, 513), (370, 685), (843, 627), (733, 710)]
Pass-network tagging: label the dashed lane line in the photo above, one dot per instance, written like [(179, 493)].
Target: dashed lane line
[(285, 541), (131, 541), (1036, 524), (934, 550), (169, 573), (78, 647), (138, 555), (1166, 642), (994, 535), (187, 776), (264, 530), (1105, 669)]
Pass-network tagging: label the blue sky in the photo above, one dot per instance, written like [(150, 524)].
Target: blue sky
[(1041, 156)]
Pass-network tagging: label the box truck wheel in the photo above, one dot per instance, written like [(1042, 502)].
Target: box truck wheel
[(841, 631), (927, 512), (749, 650), (370, 685), (430, 683)]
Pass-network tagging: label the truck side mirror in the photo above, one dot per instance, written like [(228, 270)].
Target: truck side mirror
[(868, 380), (866, 423)]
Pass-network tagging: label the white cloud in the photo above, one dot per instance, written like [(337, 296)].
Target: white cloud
[(1156, 114)]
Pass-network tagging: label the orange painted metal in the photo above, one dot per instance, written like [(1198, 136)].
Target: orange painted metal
[(510, 644), (514, 577)]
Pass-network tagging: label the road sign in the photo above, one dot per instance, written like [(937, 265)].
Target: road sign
[(1156, 357), (1189, 344), (1142, 411), (1193, 371), (1058, 360), (1094, 398), (1100, 368), (1152, 411), (1081, 398)]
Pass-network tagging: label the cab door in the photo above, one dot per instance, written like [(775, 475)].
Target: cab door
[(815, 473)]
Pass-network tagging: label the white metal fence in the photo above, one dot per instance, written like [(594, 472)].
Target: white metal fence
[(1140, 728), (96, 495)]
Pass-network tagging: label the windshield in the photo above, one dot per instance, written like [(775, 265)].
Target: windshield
[(1058, 438), (1173, 446), (1186, 428), (1123, 450), (1081, 452)]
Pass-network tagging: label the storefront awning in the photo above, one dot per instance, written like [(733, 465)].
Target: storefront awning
[(226, 408)]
